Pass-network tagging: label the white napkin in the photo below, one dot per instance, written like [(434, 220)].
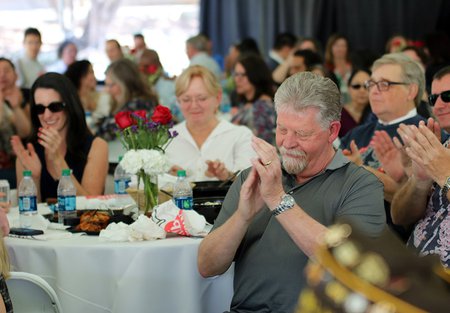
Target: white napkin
[(103, 202), (37, 221), (55, 235), (143, 229), (182, 222)]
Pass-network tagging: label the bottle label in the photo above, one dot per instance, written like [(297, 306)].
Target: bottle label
[(121, 185), (184, 203), (67, 203), (27, 204)]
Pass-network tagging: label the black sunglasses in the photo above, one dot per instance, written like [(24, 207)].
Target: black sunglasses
[(357, 86), (445, 96), (54, 107)]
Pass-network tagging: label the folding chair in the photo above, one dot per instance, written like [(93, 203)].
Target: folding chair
[(30, 293)]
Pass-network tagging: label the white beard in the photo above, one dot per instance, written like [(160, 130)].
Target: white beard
[(293, 165)]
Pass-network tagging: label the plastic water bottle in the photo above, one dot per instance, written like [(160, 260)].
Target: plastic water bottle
[(122, 179), (67, 197), (27, 200), (182, 192)]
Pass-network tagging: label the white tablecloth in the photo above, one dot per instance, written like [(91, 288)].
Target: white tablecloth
[(91, 276)]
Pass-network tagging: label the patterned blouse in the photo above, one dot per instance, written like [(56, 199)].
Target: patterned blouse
[(259, 116), (431, 234)]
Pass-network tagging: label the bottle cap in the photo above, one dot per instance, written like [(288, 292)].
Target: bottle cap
[(181, 173), (27, 173), (66, 172)]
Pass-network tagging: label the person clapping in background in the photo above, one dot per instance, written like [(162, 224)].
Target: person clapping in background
[(14, 118), (60, 139), (206, 147)]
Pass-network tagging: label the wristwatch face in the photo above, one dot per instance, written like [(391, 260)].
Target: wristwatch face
[(287, 201)]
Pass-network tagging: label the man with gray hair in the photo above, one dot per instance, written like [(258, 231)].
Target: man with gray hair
[(197, 52), (395, 89), (276, 212)]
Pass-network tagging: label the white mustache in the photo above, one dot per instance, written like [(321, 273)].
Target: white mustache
[(297, 153)]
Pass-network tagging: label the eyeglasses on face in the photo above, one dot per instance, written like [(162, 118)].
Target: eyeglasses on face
[(357, 86), (188, 100), (239, 74), (445, 96), (54, 107), (382, 85)]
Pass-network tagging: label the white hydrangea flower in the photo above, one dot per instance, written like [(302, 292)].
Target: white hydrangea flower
[(132, 161), (154, 162)]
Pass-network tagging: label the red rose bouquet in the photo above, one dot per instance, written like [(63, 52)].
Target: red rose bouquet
[(146, 140)]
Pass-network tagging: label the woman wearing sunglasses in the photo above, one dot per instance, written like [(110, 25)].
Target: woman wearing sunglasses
[(358, 110), (60, 139)]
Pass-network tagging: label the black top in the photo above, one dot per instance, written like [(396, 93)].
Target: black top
[(5, 295), (49, 186)]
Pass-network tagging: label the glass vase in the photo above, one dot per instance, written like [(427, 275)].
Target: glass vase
[(150, 193)]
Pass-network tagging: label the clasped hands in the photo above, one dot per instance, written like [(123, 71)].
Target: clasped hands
[(263, 184)]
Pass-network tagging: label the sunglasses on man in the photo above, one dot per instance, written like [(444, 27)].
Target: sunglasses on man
[(54, 107), (445, 96)]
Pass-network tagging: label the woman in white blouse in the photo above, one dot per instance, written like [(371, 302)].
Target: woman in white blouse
[(206, 147)]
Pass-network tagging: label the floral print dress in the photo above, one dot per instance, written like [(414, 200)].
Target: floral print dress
[(259, 116), (431, 234)]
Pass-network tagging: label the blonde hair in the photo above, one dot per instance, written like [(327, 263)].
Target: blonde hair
[(209, 79), (4, 258)]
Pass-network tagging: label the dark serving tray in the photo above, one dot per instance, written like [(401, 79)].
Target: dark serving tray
[(210, 189), (209, 207), (116, 218)]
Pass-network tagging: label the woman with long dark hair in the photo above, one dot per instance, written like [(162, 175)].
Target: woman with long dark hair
[(337, 61), (255, 88), (81, 74), (60, 139)]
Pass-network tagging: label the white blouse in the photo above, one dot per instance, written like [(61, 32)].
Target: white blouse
[(228, 143)]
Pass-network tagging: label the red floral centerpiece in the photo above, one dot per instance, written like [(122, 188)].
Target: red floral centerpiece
[(145, 140)]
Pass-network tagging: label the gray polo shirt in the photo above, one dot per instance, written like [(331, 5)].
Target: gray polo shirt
[(268, 264)]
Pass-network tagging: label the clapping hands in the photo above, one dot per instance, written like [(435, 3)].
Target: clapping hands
[(52, 142), (27, 156), (423, 145), (217, 169), (353, 154), (391, 154)]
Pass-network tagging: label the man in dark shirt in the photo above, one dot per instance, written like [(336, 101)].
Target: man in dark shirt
[(276, 212), (395, 89)]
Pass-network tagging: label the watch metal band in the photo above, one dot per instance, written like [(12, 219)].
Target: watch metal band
[(279, 209)]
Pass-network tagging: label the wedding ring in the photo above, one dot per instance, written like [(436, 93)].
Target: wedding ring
[(267, 163)]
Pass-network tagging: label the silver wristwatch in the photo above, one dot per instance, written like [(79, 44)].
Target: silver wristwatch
[(287, 202)]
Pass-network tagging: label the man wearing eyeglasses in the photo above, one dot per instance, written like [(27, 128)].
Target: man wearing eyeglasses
[(395, 90), (412, 203)]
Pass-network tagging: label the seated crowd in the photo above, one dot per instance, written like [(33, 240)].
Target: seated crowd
[(316, 136)]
